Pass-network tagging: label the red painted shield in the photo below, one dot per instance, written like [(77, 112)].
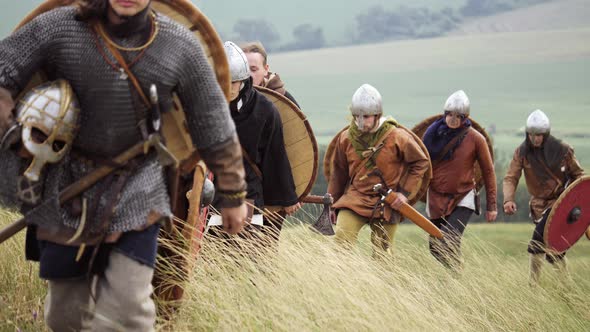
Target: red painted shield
[(570, 217)]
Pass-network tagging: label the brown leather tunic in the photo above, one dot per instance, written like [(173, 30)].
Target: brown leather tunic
[(543, 192), (453, 179), (401, 160)]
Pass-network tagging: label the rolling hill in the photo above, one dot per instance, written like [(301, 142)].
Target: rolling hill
[(506, 74), (554, 15)]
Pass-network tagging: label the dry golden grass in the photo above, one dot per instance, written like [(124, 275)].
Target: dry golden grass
[(21, 291), (312, 285)]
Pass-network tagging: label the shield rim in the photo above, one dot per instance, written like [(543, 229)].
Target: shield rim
[(561, 197), (309, 130), (208, 38), (201, 23)]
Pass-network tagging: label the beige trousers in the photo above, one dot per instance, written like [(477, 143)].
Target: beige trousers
[(123, 300), (349, 224)]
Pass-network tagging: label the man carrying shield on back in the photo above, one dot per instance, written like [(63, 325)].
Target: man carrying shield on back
[(455, 147), (374, 150), (98, 251), (268, 171), (549, 165)]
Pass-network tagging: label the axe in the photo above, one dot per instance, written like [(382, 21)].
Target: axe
[(324, 223), (78, 187), (388, 196)]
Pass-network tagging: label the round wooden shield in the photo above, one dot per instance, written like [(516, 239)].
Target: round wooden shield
[(300, 143), (174, 129), (420, 130), (182, 11), (570, 216), (179, 246), (329, 157)]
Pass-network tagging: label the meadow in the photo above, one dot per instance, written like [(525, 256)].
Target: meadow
[(505, 75), (282, 15), (312, 285)]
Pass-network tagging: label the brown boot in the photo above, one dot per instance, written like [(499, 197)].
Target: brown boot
[(536, 262)]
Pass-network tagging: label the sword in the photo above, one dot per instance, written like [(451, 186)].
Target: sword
[(78, 187), (388, 196)]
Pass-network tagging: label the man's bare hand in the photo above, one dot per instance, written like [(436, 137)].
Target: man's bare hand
[(399, 200), (491, 216), (234, 218), (289, 210), (510, 208)]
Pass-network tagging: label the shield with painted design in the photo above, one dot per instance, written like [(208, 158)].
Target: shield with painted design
[(300, 143), (570, 216)]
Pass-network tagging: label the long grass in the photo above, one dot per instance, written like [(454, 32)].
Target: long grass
[(310, 284), (21, 291)]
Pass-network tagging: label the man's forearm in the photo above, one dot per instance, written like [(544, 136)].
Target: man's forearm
[(225, 161)]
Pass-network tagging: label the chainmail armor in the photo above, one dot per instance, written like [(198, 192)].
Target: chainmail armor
[(10, 165), (65, 48)]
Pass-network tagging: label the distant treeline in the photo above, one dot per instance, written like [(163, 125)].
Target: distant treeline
[(377, 24)]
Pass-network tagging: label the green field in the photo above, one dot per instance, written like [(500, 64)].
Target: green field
[(311, 285), (335, 18), (506, 77)]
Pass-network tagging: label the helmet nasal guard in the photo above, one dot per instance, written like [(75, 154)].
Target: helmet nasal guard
[(365, 101), (49, 118), (458, 102)]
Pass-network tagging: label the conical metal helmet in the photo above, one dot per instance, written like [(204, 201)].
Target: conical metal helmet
[(238, 63), (366, 101), (538, 123), (458, 102)]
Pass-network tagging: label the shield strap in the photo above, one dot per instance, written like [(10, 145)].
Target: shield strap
[(360, 163), (450, 145), (141, 118), (252, 163)]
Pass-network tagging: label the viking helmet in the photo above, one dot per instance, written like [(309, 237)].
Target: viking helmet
[(458, 102), (238, 62), (48, 115), (538, 123), (366, 101)]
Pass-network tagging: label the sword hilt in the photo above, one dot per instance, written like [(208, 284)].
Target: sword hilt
[(381, 190), (156, 114)]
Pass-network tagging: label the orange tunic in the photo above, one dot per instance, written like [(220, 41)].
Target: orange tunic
[(454, 178), (401, 161)]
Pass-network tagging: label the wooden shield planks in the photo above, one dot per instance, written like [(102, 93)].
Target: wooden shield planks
[(420, 130), (300, 143), (185, 235), (174, 127)]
